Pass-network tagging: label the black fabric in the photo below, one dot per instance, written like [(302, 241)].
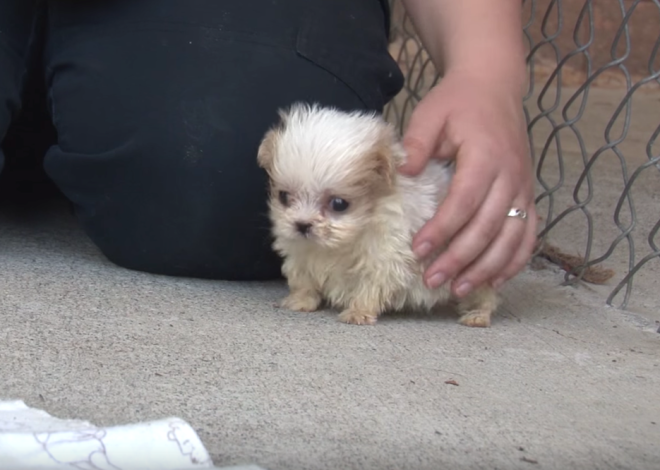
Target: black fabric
[(31, 132), (159, 107), (17, 23)]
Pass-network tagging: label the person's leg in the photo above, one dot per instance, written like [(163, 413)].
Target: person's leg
[(160, 106), (16, 24), (31, 132)]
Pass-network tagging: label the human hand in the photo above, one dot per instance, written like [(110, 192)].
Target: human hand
[(479, 122)]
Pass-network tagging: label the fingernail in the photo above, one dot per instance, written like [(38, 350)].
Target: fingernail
[(422, 250), (436, 280), (463, 289)]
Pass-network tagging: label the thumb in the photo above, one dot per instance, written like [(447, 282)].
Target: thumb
[(421, 138)]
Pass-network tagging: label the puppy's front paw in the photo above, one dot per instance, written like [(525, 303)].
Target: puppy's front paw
[(301, 302), (358, 317), (476, 319)]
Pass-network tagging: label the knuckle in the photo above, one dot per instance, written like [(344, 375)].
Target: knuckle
[(489, 271), (415, 146), (439, 232), (482, 273), (457, 260), (465, 188), (470, 199), (435, 234), (488, 228)]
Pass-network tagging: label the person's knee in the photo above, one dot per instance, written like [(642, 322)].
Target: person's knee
[(160, 204), (211, 250)]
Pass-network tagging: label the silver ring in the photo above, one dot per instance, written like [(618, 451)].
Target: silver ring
[(515, 212)]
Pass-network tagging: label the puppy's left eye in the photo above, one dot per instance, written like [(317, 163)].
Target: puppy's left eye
[(338, 204), (283, 196)]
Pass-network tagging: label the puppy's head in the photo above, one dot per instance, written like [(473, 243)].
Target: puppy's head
[(328, 169)]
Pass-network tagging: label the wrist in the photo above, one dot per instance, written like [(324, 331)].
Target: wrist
[(492, 52), (500, 72), (473, 37)]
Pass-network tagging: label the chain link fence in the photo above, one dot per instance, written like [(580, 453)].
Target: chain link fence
[(593, 114)]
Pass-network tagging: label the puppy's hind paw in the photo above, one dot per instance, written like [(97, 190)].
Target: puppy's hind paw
[(476, 319), (476, 310), (299, 302), (358, 317)]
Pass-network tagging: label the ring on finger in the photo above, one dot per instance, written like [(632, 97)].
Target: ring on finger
[(517, 213)]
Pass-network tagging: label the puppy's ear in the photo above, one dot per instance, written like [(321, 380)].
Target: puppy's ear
[(399, 155), (387, 158), (267, 148)]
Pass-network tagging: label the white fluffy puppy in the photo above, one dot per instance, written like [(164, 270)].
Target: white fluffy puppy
[(343, 218)]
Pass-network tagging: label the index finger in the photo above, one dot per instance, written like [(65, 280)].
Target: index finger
[(421, 138)]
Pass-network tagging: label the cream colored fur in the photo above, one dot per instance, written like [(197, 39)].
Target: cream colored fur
[(360, 260)]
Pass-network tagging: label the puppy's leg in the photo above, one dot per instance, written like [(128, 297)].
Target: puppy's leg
[(359, 316), (301, 299), (363, 309), (303, 296), (477, 308)]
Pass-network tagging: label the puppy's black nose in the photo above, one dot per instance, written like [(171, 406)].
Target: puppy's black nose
[(303, 227)]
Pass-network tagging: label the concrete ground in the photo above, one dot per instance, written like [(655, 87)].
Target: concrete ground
[(560, 380)]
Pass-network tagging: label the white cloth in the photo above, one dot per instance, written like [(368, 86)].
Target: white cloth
[(31, 439)]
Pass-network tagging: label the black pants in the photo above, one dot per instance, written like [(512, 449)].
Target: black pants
[(158, 106)]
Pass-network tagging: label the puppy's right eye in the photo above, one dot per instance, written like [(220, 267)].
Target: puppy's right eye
[(283, 196)]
